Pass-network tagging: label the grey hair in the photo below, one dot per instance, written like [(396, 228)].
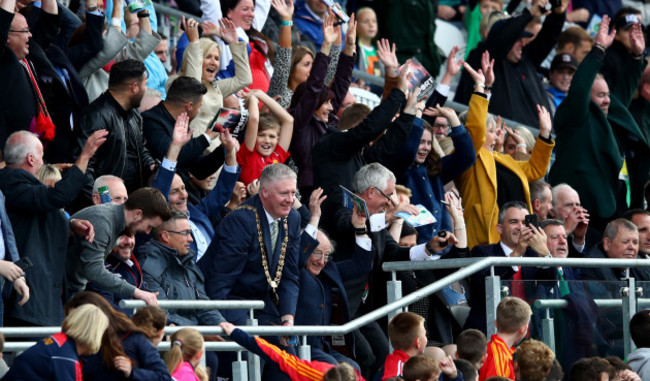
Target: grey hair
[(102, 181), (611, 231), (462, 117), (537, 189), (550, 222), (372, 175), (276, 172), (175, 216), (510, 204), (559, 188), (19, 145)]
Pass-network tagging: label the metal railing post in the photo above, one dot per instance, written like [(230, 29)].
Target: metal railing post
[(304, 350), (239, 370), (548, 330), (254, 367), (628, 295), (492, 299), (394, 288)]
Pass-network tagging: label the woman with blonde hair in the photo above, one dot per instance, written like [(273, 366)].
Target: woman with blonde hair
[(56, 357), (185, 355)]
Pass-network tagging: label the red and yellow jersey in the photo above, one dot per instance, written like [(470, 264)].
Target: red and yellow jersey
[(499, 360)]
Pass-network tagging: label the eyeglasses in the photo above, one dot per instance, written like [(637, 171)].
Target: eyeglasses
[(20, 31), (184, 233), (390, 200), (441, 125), (317, 254)]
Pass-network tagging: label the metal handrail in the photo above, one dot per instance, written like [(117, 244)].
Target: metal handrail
[(197, 304), (542, 304)]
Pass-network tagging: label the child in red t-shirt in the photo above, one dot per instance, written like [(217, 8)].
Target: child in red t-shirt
[(267, 137)]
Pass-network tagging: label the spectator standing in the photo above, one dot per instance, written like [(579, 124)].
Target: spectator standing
[(562, 70), (40, 227)]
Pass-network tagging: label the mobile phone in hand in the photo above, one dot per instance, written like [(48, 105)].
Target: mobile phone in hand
[(531, 219)]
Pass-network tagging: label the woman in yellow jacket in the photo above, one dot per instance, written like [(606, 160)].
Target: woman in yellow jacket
[(478, 185)]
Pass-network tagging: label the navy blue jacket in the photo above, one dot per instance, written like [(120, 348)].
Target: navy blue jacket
[(233, 263), (149, 366), (51, 358), (206, 214), (315, 298)]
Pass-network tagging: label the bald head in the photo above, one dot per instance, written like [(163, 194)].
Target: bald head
[(23, 150)]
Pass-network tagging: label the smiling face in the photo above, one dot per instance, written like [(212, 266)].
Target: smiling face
[(242, 15), (302, 69), (377, 200), (18, 40), (210, 65), (179, 237), (324, 110), (642, 222), (440, 127), (557, 241), (625, 245), (178, 195), (561, 78), (490, 137), (424, 148), (600, 94), (124, 248), (317, 260), (266, 142), (510, 229), (278, 196), (514, 55)]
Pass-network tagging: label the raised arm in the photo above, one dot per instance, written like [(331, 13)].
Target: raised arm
[(286, 120), (243, 76), (250, 138)]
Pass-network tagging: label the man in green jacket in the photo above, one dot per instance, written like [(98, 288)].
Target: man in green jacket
[(593, 129)]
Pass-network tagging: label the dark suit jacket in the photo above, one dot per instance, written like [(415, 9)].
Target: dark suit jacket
[(233, 263), (611, 276), (314, 308), (477, 314)]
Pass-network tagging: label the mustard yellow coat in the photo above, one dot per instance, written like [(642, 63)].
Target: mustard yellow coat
[(478, 185)]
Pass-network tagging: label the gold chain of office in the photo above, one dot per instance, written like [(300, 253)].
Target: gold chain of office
[(274, 283)]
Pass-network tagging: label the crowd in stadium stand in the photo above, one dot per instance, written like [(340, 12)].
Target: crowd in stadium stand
[(245, 152)]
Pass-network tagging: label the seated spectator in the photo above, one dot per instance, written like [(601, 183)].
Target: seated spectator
[(517, 240), (116, 47), (532, 361), (267, 137), (466, 370), (122, 263), (126, 352), (508, 178), (641, 219), (58, 355), (640, 332), (567, 208), (541, 199), (185, 97), (169, 270), (513, 318), (517, 87), (144, 210), (40, 228), (203, 216), (590, 369), (471, 346), (201, 61), (423, 368), (562, 70), (290, 364), (116, 189), (124, 154), (590, 122), (237, 198), (184, 357), (152, 321), (321, 284), (313, 102)]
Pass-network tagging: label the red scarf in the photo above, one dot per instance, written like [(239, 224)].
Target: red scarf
[(42, 124)]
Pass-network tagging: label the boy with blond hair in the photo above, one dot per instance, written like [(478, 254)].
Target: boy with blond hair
[(513, 318)]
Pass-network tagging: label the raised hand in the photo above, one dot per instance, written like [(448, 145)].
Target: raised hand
[(351, 36), (228, 31), (210, 29), (403, 83), (329, 32), (94, 142), (537, 241), (191, 27), (453, 66), (487, 66), (477, 76), (604, 38), (315, 201), (637, 42), (284, 8), (446, 112), (545, 123), (386, 54), (181, 135), (411, 102)]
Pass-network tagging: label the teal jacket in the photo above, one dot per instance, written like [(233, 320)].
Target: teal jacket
[(589, 144)]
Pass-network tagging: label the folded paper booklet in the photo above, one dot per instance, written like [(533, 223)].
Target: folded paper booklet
[(350, 199), (424, 217), (231, 119), (420, 78)]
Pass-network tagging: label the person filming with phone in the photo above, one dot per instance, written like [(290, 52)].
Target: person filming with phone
[(521, 236)]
